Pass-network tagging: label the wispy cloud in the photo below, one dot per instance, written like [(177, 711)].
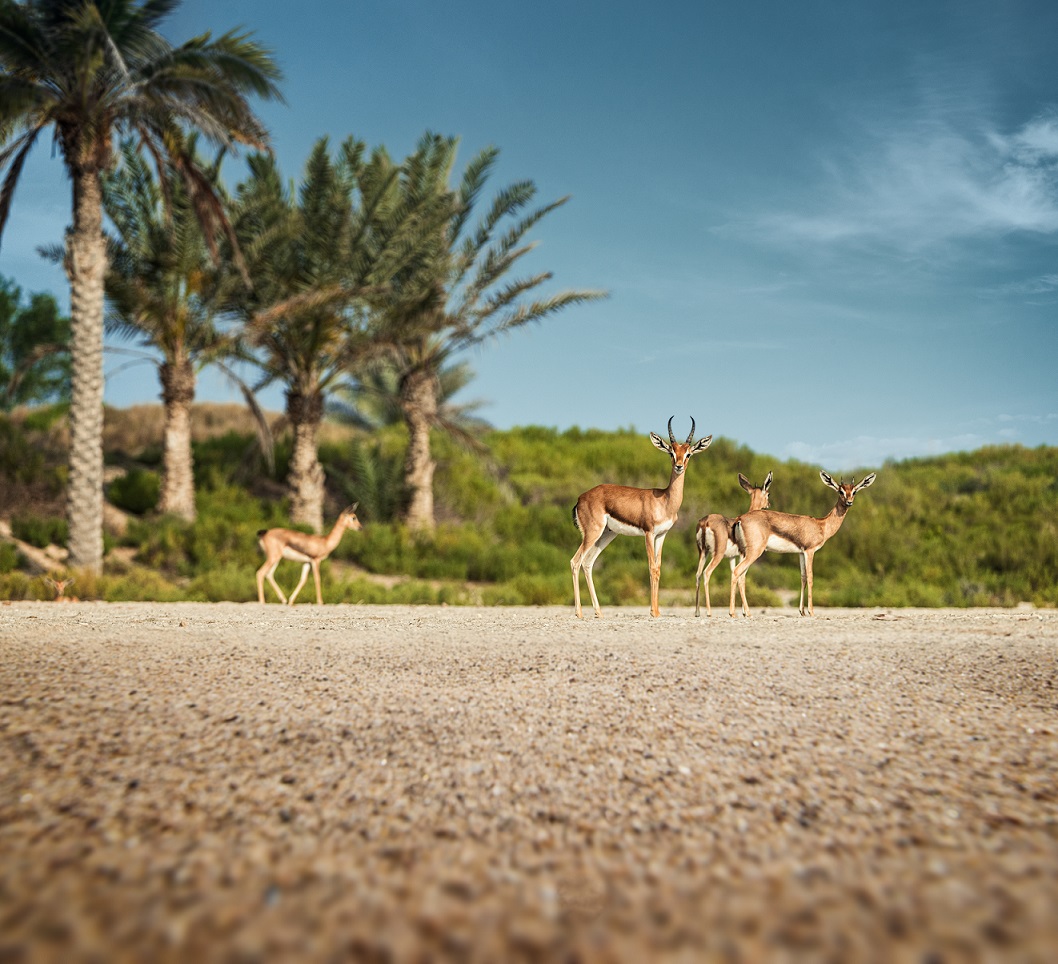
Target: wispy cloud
[(933, 179), (871, 451), (1029, 287)]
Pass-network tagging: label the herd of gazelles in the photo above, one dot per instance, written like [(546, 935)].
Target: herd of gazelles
[(607, 511)]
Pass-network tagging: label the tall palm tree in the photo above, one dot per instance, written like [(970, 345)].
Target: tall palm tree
[(158, 290), (93, 70), (370, 399), (316, 257), (458, 294)]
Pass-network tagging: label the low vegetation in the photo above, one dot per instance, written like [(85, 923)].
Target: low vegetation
[(967, 529)]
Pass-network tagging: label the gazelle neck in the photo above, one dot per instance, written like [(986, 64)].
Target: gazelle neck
[(673, 493), (836, 516), (335, 535)]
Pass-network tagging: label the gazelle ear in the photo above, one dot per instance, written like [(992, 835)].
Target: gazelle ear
[(744, 482), (701, 445), (660, 443), (827, 480), (869, 480), (767, 483), (352, 509)]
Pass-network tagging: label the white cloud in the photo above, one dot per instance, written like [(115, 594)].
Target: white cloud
[(930, 181), (872, 451)]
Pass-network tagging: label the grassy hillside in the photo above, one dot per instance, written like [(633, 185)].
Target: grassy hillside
[(967, 529)]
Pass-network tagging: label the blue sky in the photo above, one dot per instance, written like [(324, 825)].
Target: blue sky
[(829, 229)]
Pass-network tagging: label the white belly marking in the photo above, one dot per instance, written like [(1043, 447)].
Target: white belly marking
[(622, 528), (779, 544)]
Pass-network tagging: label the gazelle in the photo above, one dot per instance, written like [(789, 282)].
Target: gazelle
[(758, 531), (606, 511), (59, 585), (279, 544), (714, 536)]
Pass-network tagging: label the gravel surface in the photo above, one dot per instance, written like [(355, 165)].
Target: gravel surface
[(200, 782)]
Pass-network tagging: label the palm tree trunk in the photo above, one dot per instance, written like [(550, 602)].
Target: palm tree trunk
[(178, 482), (86, 261), (306, 477), (418, 402)]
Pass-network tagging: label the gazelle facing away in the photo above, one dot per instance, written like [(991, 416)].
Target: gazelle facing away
[(279, 544), (756, 532), (714, 537), (608, 510)]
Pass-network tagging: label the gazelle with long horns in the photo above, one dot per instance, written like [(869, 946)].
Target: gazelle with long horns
[(758, 531), (607, 511), (311, 550), (715, 539)]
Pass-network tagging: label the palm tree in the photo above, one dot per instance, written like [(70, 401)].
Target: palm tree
[(457, 295), (316, 258), (158, 292), (92, 71), (371, 400)]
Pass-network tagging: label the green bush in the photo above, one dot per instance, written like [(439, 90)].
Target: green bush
[(10, 557), (39, 531), (137, 491)]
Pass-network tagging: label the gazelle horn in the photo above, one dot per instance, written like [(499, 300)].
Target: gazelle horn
[(672, 438), (691, 435)]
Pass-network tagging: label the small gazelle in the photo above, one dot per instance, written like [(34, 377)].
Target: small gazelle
[(58, 586), (758, 531), (714, 537), (311, 550), (606, 511)]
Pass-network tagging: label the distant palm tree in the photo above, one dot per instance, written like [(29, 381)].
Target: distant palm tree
[(159, 287), (371, 400), (92, 70), (316, 257), (456, 295)]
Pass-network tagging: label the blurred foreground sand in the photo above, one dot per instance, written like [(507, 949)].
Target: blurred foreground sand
[(200, 782)]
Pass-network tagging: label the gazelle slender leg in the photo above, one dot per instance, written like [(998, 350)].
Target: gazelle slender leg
[(582, 559), (714, 561), (739, 576), (301, 582), (808, 558), (659, 545), (702, 551), (804, 579), (654, 545), (593, 553), (316, 576), (718, 555), (741, 586), (269, 572)]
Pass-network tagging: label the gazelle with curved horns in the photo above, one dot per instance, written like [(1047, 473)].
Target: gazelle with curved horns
[(311, 550), (714, 536), (758, 531), (606, 511)]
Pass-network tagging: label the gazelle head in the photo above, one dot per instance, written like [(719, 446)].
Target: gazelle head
[(680, 452), (847, 490), (348, 518), (765, 497)]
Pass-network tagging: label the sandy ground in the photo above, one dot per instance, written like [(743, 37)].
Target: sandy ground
[(244, 783)]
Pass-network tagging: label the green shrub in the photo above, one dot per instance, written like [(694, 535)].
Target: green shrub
[(39, 531), (10, 557), (137, 491)]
